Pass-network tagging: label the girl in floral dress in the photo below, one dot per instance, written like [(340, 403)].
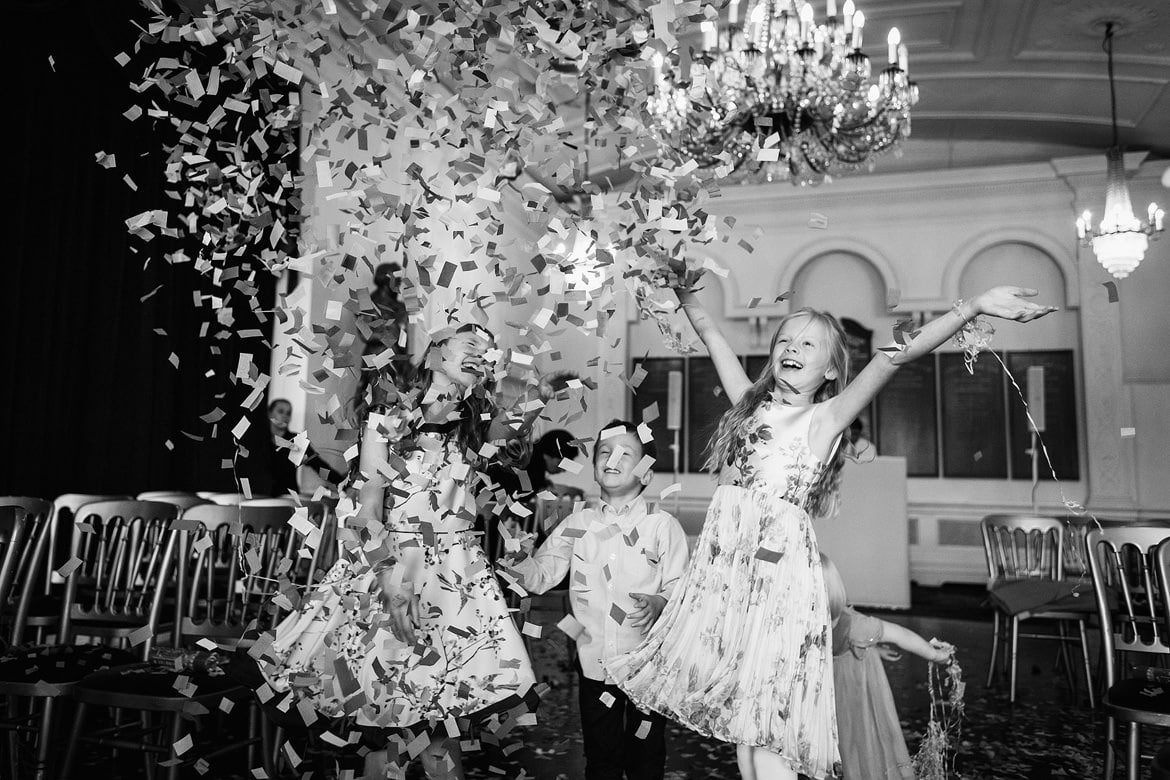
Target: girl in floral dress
[(743, 652), (409, 629)]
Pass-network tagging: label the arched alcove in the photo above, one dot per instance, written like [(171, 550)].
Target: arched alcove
[(1025, 265)]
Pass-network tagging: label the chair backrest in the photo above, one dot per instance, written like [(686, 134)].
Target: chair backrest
[(65, 508), (227, 499), (120, 569), (1130, 588), (279, 501), (12, 528), (23, 561), (233, 559), (179, 498), (1023, 547)]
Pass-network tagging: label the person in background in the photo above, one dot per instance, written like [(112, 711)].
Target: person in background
[(872, 745), (547, 455), (623, 559), (286, 476)]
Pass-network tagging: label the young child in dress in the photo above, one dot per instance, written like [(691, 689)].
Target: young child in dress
[(872, 745), (409, 630), (624, 560), (743, 652)]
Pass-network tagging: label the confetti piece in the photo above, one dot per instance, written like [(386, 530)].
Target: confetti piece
[(1128, 432), (607, 699), (670, 490), (570, 466), (184, 744), (571, 626), (140, 635), (818, 221), (771, 556), (643, 730), (1111, 289), (70, 566)]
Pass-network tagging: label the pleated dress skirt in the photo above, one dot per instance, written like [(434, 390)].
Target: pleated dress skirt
[(742, 651)]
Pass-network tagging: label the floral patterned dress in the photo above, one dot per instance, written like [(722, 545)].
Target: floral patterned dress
[(742, 651), (337, 650)]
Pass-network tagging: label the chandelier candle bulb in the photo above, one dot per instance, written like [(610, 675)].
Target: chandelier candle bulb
[(806, 19), (831, 8), (710, 35), (892, 41), (858, 27), (847, 16), (733, 12), (903, 57)]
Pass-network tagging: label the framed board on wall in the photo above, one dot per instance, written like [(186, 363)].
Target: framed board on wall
[(706, 403), (974, 418), (1060, 433), (859, 340), (655, 389), (907, 417)]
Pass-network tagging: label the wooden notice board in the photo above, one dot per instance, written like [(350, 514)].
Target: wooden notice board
[(1060, 401), (907, 418), (706, 403), (654, 390), (973, 418)]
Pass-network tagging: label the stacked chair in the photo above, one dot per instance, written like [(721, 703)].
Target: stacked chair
[(1130, 566), (115, 583), (230, 561), (141, 589)]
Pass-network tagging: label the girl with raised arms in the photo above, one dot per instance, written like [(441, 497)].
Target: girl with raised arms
[(742, 652)]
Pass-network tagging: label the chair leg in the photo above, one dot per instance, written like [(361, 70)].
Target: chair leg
[(1087, 664), (1064, 658), (1132, 754), (44, 738), (277, 741), (71, 748), (994, 648), (176, 735), (1015, 640), (1110, 743), (13, 740)]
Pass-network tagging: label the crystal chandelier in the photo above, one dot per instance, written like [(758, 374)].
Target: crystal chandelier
[(1120, 241), (780, 93)]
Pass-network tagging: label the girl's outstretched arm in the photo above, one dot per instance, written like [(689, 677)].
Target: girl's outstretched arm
[(838, 412), (911, 642), (734, 379)]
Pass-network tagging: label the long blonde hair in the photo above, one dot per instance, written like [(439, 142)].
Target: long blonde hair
[(728, 436)]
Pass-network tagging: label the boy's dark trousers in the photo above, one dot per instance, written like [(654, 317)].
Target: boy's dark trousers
[(612, 749)]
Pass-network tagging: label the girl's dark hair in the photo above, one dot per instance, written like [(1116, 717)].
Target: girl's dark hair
[(729, 433)]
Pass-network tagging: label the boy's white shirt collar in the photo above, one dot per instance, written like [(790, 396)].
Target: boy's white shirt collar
[(624, 508)]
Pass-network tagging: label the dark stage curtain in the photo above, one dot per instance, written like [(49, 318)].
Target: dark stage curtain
[(91, 396)]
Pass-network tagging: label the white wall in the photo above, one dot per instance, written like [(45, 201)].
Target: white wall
[(919, 240), (924, 240)]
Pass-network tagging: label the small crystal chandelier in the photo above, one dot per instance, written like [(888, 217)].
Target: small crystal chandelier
[(1120, 241), (779, 93)]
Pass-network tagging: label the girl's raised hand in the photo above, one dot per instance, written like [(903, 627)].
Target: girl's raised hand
[(1009, 303), (551, 384)]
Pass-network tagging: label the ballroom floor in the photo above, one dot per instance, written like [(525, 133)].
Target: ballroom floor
[(1049, 733)]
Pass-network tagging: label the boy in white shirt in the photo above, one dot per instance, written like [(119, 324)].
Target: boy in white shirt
[(624, 561)]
